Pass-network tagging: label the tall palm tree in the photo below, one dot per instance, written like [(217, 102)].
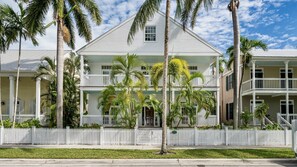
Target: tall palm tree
[(16, 22), (233, 7), (246, 46), (65, 13)]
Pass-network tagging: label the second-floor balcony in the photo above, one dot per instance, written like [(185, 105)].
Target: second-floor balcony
[(270, 84), (101, 80)]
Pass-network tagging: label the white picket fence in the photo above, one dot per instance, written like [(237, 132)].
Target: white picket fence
[(112, 136)]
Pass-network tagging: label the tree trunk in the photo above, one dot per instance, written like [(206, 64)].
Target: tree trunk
[(234, 5), (165, 66), (60, 65), (17, 81), (240, 98)]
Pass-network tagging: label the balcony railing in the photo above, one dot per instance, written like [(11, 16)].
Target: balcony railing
[(269, 84), (101, 80)]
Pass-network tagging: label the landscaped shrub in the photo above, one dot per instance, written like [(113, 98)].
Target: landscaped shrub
[(92, 126), (274, 126), (27, 124), (246, 117)]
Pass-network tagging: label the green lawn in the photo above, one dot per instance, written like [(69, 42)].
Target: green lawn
[(49, 153)]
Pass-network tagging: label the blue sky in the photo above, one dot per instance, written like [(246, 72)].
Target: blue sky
[(272, 21)]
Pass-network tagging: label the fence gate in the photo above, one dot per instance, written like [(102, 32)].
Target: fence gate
[(294, 136)]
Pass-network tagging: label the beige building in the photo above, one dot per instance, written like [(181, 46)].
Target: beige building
[(30, 88), (274, 83)]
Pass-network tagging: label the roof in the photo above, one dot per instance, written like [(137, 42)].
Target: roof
[(30, 59), (114, 41), (277, 53)]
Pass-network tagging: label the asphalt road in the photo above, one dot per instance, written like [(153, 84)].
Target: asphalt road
[(148, 162)]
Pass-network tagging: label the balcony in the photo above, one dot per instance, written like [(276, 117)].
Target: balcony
[(269, 84), (101, 80)]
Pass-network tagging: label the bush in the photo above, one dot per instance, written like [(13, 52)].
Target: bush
[(26, 124), (92, 126), (274, 126), (209, 127), (246, 117)]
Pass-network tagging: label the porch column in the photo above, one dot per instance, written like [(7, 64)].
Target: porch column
[(218, 90), (287, 90), (37, 108), (254, 91), (81, 102), (81, 108), (11, 96)]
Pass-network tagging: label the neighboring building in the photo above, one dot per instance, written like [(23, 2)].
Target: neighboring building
[(274, 83), (148, 45), (30, 87)]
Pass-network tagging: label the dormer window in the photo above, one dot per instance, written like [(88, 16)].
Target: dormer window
[(150, 34)]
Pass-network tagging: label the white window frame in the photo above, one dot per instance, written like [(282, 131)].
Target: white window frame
[(144, 34)]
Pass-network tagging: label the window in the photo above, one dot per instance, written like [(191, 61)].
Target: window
[(229, 82), (150, 34), (283, 78), (106, 69), (284, 106), (229, 111), (258, 78), (193, 69)]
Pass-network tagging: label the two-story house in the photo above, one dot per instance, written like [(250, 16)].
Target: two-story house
[(269, 78), (148, 46)]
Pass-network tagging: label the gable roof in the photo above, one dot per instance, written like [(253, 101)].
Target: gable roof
[(30, 59), (114, 41)]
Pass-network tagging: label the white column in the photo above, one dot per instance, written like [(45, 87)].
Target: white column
[(218, 89), (37, 108), (81, 105), (254, 91), (81, 108), (287, 90), (11, 96)]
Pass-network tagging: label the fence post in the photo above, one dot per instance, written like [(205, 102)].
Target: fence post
[(135, 136), (101, 135), (33, 132), (256, 136), (67, 135), (168, 136), (226, 135), (294, 129), (1, 135), (286, 136), (195, 136)]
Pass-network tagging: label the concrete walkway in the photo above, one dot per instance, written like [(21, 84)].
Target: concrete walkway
[(148, 162)]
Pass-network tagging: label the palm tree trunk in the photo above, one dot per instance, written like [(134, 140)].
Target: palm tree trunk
[(17, 81), (240, 98), (164, 126), (234, 4), (60, 65)]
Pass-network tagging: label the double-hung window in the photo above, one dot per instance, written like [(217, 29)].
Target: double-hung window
[(150, 34), (229, 82)]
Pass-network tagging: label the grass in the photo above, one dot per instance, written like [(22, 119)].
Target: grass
[(50, 153)]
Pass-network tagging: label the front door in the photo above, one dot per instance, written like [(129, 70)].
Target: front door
[(148, 117)]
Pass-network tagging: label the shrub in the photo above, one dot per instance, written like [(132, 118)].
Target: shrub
[(26, 124), (92, 126), (274, 126), (246, 117)]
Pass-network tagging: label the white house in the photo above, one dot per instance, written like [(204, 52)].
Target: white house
[(148, 45)]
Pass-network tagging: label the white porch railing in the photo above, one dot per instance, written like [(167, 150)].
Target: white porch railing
[(269, 84), (100, 80)]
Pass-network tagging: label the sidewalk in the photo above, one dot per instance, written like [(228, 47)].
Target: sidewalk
[(148, 162), (137, 147)]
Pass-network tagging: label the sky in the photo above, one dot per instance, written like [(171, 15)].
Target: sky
[(272, 21)]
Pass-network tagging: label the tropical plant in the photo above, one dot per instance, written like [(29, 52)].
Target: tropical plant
[(274, 126), (16, 22), (233, 7), (71, 90), (261, 112), (246, 46), (246, 117), (64, 17), (125, 98)]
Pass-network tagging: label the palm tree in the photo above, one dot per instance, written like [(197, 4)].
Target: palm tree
[(16, 22), (261, 112), (233, 6), (65, 12), (246, 46)]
